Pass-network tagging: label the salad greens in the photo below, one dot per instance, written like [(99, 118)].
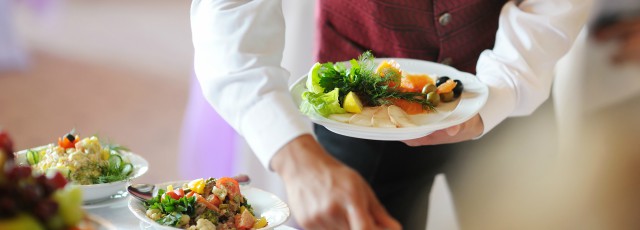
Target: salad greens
[(372, 88), (322, 103), (174, 208)]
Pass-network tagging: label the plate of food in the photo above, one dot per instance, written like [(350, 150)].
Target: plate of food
[(100, 170), (213, 203), (31, 200), (387, 98)]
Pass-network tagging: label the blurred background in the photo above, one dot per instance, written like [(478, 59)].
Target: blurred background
[(123, 70), (119, 69)]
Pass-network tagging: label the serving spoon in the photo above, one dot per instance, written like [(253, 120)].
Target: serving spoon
[(144, 192)]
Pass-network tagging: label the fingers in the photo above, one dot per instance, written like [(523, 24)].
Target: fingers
[(380, 215), (359, 218), (458, 133), (453, 130)]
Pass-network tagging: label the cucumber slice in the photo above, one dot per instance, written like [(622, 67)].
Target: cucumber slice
[(127, 169), (33, 157), (115, 161)]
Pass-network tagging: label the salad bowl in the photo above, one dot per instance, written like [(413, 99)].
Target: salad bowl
[(95, 193)]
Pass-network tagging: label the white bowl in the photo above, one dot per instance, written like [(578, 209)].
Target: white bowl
[(99, 192), (264, 204)]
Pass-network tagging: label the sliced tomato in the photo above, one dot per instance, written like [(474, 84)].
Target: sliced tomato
[(228, 183), (180, 192), (173, 195), (245, 220)]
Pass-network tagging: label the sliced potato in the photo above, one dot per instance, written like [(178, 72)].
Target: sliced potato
[(399, 117), (341, 117), (381, 118), (363, 118)]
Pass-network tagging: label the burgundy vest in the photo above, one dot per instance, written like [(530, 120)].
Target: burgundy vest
[(453, 32)]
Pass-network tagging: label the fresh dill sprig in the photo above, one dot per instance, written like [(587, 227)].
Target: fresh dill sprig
[(362, 79)]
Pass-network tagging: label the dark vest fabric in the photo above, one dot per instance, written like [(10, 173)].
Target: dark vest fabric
[(408, 29)]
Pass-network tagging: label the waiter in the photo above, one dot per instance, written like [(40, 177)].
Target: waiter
[(238, 49)]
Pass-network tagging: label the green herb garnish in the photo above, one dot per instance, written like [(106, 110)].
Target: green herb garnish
[(361, 79), (172, 208)]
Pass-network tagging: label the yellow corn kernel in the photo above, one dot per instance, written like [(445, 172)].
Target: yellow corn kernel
[(170, 188)]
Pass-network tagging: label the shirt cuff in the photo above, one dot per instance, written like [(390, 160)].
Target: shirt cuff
[(502, 94), (272, 123)]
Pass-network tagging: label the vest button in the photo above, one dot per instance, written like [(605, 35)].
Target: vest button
[(446, 61), (444, 19)]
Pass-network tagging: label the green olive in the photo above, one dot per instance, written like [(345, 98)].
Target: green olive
[(428, 88), (433, 98), (447, 97)]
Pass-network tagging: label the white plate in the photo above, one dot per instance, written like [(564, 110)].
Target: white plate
[(102, 192), (264, 204), (473, 97)]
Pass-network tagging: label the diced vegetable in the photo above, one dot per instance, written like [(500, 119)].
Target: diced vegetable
[(197, 185)]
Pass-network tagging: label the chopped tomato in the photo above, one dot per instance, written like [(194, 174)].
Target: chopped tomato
[(245, 220), (180, 192), (173, 195), (415, 82), (231, 185), (408, 106)]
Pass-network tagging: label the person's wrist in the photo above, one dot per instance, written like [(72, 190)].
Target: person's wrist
[(303, 151)]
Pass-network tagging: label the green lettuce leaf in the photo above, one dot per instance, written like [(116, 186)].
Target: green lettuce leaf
[(324, 104)]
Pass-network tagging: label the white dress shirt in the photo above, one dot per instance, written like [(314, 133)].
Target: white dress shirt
[(238, 51)]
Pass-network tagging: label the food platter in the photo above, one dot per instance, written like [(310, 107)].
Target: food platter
[(472, 99), (265, 204), (95, 193)]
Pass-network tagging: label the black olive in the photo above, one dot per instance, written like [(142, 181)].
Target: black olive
[(441, 80), (71, 137), (458, 89)]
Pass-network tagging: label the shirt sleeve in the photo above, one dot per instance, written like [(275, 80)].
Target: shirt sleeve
[(530, 40), (238, 52)]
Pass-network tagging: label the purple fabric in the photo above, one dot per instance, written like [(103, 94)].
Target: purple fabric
[(40, 7), (207, 145)]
